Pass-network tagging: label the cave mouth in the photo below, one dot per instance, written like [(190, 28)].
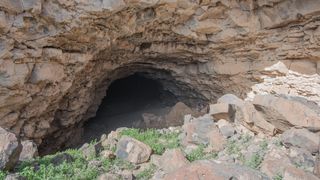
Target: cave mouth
[(125, 101)]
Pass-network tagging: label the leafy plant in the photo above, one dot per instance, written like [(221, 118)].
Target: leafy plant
[(277, 177), (199, 153), (254, 161), (196, 154), (147, 173), (44, 168), (264, 145), (232, 147), (156, 140), (2, 175)]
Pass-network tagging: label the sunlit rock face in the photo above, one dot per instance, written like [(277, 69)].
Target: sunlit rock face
[(57, 57)]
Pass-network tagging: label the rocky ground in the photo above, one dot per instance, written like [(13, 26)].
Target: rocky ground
[(267, 138)]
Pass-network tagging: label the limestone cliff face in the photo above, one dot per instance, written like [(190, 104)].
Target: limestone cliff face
[(57, 57)]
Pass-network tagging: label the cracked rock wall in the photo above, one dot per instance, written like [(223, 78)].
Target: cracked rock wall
[(57, 57)]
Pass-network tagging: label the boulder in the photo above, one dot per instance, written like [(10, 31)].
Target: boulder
[(226, 129), (231, 99), (176, 115), (90, 151), (208, 170), (301, 138), (275, 162), (221, 111), (202, 130), (10, 149), (171, 160), (249, 117), (293, 173), (29, 150), (286, 112), (302, 157), (133, 150)]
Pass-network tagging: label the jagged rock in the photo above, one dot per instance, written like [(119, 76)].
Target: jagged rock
[(286, 112), (293, 173), (177, 113), (90, 150), (211, 170), (275, 162), (221, 111), (29, 150), (225, 128), (111, 140), (202, 130), (302, 157), (249, 117), (10, 149), (301, 138), (172, 160), (231, 99), (133, 150)]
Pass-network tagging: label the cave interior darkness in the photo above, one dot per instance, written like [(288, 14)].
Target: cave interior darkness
[(125, 102)]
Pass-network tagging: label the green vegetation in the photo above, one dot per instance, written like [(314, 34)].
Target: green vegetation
[(147, 173), (234, 146), (254, 161), (2, 175), (198, 154), (156, 140), (75, 167), (113, 164), (257, 158), (277, 177)]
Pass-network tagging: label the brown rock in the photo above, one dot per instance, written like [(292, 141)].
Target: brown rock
[(301, 138), (202, 130), (275, 162), (177, 113), (29, 150), (279, 112), (221, 111), (292, 173), (208, 170), (10, 148), (249, 117), (133, 150), (171, 160)]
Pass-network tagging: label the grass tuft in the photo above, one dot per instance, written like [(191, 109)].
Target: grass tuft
[(158, 142)]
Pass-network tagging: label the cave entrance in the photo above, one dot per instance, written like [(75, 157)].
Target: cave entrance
[(125, 102)]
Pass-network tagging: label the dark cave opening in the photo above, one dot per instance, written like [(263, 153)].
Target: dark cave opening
[(125, 102)]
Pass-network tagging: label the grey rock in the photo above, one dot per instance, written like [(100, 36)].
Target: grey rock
[(301, 138), (10, 149)]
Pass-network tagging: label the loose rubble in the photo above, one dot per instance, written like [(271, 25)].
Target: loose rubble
[(204, 146)]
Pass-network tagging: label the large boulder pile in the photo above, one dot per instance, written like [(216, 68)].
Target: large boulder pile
[(228, 142), (58, 57)]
